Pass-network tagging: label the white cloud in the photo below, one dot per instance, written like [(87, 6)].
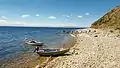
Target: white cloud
[(79, 16), (3, 21), (51, 17), (66, 15), (4, 17), (65, 24), (37, 15), (66, 19), (58, 24), (87, 13), (11, 23), (30, 24), (25, 15)]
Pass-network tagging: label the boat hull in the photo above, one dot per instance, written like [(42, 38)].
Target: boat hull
[(53, 53), (35, 44)]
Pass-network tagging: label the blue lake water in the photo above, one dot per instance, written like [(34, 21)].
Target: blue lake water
[(11, 39)]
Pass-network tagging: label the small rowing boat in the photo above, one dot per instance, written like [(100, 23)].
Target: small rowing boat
[(51, 52), (33, 43)]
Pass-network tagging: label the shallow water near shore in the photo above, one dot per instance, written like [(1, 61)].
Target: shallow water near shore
[(12, 47)]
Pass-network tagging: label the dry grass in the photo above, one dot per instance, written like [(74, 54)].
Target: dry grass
[(111, 20)]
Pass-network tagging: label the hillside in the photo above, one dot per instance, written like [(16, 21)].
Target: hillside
[(111, 20)]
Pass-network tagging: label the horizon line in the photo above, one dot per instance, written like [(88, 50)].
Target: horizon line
[(47, 26)]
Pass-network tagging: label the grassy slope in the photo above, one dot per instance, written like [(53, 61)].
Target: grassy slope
[(111, 20)]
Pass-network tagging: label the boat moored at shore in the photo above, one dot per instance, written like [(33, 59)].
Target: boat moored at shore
[(33, 43), (52, 52)]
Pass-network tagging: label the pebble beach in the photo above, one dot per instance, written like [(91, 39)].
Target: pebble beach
[(94, 48)]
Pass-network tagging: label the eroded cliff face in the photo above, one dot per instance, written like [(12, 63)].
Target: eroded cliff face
[(111, 20)]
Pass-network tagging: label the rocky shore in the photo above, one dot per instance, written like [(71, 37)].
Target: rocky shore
[(93, 49)]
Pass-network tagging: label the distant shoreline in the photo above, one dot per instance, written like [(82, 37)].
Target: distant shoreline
[(44, 27)]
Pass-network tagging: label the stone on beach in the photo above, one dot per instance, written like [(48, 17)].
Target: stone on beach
[(96, 36), (38, 66)]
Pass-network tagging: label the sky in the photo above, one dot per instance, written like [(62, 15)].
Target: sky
[(53, 13)]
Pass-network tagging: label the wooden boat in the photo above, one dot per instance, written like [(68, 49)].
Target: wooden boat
[(33, 43), (51, 52)]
